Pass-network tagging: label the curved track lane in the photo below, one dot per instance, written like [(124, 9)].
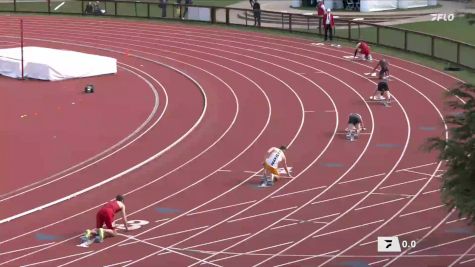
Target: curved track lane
[(201, 197)]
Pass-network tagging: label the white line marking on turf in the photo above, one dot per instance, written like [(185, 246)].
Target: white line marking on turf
[(406, 182), (442, 244), (457, 220), (22, 249), (261, 214), (282, 226), (58, 6), (55, 259), (220, 208), (348, 228), (381, 203), (301, 191), (401, 234), (323, 217), (335, 198), (416, 172), (119, 263), (463, 262), (252, 251), (419, 211), (307, 258), (430, 192), (160, 236), (393, 194), (418, 166), (376, 262), (133, 168), (362, 178)]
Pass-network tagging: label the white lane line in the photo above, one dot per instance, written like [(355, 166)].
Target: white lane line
[(376, 262), (419, 211), (457, 220), (308, 258), (220, 208), (329, 111), (261, 214), (253, 172), (156, 246), (204, 244), (324, 217), (309, 111), (165, 235), (430, 192), (393, 194), (418, 166), (162, 220), (407, 182), (462, 256), (217, 241), (133, 168), (282, 226), (224, 170), (119, 263), (301, 191), (55, 259), (362, 178), (59, 6), (401, 234), (348, 228), (109, 152), (416, 172), (442, 244), (22, 249), (252, 251), (470, 260), (267, 122), (381, 203), (335, 198)]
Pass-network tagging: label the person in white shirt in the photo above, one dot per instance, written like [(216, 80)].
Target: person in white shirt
[(271, 165)]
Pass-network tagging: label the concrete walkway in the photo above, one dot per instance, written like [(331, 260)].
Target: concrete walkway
[(446, 7)]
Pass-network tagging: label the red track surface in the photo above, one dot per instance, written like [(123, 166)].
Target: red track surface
[(181, 130)]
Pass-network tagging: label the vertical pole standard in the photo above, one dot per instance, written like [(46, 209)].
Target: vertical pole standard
[(21, 38)]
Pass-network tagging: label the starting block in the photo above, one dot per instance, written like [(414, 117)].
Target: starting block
[(317, 44), (335, 45), (372, 74), (282, 170), (351, 136)]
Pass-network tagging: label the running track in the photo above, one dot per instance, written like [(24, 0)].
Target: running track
[(181, 130)]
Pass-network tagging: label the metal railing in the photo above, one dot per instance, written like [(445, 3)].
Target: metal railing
[(449, 50)]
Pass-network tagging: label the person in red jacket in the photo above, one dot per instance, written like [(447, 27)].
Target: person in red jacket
[(363, 48), (328, 24), (106, 216), (320, 8)]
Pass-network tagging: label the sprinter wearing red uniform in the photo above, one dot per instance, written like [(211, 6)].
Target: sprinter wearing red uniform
[(106, 216), (363, 49)]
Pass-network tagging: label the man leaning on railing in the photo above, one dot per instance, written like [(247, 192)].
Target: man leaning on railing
[(256, 8), (163, 6)]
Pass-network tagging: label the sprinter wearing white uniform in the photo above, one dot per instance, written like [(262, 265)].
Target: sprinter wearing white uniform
[(271, 165)]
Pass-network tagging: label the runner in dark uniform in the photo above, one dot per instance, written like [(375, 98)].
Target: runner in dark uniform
[(384, 71), (382, 92), (355, 125)]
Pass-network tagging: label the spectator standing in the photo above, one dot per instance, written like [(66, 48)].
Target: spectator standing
[(256, 8), (328, 24), (163, 6), (187, 2)]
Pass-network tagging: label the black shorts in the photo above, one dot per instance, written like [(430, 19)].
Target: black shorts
[(383, 86), (354, 119)]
